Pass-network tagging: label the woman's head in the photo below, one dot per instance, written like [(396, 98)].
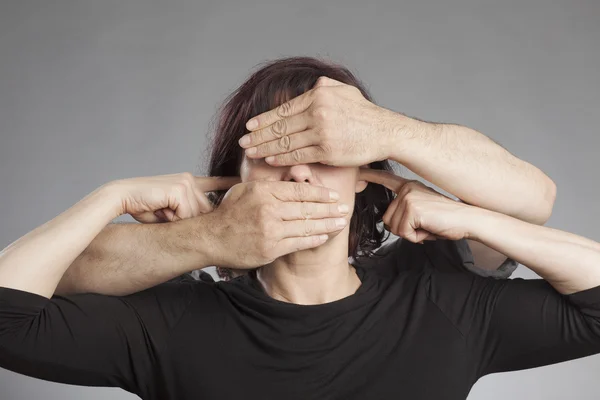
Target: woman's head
[(273, 84)]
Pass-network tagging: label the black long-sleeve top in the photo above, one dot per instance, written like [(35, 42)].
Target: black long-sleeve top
[(419, 327)]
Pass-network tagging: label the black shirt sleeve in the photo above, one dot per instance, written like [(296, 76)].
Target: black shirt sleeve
[(456, 255), (89, 339), (515, 324)]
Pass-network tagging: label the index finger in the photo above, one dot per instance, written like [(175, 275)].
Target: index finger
[(385, 178), (295, 191), (292, 107), (212, 183)]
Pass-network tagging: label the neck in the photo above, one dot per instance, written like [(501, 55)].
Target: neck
[(315, 276)]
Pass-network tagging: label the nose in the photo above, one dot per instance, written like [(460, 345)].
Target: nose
[(300, 173)]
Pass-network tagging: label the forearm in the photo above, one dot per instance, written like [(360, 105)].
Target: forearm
[(472, 167), (569, 262), (36, 262), (128, 258)]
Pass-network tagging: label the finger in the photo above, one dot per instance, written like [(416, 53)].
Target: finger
[(179, 203), (149, 217), (389, 213), (294, 106), (407, 229), (277, 130), (159, 216), (204, 205), (385, 178), (213, 183), (396, 220), (284, 145), (191, 196), (430, 236), (295, 191), (312, 227), (290, 245), (306, 155), (168, 214), (309, 210), (422, 235)]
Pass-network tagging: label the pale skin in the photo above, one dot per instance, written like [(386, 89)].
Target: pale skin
[(333, 124), (265, 222)]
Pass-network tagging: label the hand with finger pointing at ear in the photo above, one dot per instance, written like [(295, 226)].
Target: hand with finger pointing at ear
[(420, 213)]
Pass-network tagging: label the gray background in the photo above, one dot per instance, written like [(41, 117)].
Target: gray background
[(95, 91)]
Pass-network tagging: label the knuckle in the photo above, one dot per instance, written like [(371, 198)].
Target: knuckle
[(279, 128), (321, 81), (410, 197), (187, 177), (301, 190), (307, 210), (263, 213), (309, 227), (285, 143), (320, 113), (297, 156), (406, 189), (285, 109)]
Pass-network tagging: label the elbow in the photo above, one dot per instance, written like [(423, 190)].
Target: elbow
[(540, 210), (549, 197)]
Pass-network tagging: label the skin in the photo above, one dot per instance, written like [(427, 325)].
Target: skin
[(36, 262), (333, 124), (302, 277)]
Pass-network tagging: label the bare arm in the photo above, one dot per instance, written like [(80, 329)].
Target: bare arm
[(125, 258), (570, 263), (36, 262), (475, 169)]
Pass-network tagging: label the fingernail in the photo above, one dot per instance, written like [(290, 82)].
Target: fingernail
[(251, 151), (270, 159), (343, 208), (252, 124), (339, 222), (332, 195), (244, 140)]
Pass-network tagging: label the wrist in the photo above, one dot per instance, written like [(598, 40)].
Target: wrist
[(481, 223), (115, 192), (195, 239), (402, 134)]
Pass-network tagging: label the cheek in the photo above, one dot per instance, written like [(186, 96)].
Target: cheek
[(256, 170), (342, 180)]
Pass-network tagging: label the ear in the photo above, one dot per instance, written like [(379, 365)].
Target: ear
[(361, 185)]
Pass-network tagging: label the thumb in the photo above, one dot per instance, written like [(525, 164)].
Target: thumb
[(381, 177)]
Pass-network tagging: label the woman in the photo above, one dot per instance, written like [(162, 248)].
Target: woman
[(306, 324)]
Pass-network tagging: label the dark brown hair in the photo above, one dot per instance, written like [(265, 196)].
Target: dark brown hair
[(273, 84)]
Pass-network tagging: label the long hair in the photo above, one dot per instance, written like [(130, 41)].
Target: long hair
[(270, 86)]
